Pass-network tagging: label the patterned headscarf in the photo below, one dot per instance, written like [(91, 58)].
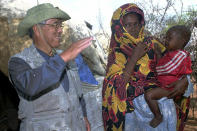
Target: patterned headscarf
[(120, 33), (120, 37)]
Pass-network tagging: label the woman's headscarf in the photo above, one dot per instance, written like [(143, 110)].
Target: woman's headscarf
[(117, 28), (120, 37)]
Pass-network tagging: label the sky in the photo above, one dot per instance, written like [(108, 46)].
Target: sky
[(93, 10)]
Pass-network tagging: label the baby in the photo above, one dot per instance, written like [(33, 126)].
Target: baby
[(171, 67)]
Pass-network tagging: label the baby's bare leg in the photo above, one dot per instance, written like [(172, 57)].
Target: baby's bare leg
[(151, 98)]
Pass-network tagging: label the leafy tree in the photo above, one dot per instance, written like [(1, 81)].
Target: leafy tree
[(186, 18)]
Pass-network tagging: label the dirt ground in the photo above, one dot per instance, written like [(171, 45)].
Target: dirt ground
[(191, 124)]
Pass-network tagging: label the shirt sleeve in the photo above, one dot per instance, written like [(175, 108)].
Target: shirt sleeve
[(186, 66), (33, 81)]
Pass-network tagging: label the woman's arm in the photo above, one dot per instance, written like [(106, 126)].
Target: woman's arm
[(137, 53), (179, 87)]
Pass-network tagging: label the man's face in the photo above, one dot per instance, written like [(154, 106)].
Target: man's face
[(52, 31), (132, 24)]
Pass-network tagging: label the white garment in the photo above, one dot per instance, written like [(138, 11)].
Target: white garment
[(190, 88), (139, 119)]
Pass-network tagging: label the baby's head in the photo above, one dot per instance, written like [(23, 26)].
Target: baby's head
[(177, 37)]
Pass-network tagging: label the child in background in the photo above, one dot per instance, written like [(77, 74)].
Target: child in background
[(171, 67)]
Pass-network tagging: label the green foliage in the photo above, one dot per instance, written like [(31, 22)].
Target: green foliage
[(182, 19)]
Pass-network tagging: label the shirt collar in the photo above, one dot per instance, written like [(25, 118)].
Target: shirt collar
[(44, 55)]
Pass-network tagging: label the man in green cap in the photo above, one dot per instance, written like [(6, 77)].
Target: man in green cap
[(47, 83)]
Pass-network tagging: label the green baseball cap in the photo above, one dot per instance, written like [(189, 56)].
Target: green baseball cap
[(39, 14)]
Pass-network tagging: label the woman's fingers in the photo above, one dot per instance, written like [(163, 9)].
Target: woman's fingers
[(142, 46), (139, 51)]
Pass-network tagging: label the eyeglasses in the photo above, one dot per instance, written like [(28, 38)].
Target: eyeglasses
[(54, 25)]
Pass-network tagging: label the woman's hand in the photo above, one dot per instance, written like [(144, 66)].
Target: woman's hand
[(179, 87), (139, 51), (87, 123), (135, 55)]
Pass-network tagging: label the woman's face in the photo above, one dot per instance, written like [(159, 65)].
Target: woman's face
[(132, 24)]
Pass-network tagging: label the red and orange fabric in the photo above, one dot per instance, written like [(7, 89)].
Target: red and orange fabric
[(117, 98), (182, 109)]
